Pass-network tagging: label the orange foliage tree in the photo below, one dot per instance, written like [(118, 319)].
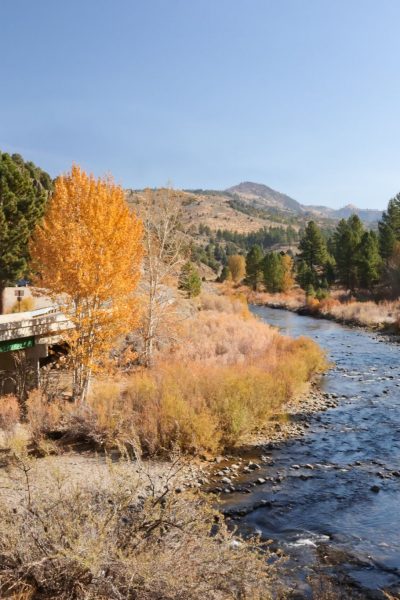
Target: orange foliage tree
[(287, 276), (87, 255), (237, 267)]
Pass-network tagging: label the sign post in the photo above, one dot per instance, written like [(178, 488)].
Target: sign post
[(19, 294)]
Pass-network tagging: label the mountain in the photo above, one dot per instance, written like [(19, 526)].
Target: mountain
[(249, 207), (263, 197)]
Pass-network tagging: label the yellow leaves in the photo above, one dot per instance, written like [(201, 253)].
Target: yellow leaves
[(89, 243), (88, 250)]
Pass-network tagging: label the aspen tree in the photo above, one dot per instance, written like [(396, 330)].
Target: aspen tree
[(87, 252)]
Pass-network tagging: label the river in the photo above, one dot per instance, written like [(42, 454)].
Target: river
[(340, 514)]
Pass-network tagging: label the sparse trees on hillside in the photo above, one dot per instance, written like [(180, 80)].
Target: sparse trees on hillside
[(88, 251), (237, 267), (24, 189)]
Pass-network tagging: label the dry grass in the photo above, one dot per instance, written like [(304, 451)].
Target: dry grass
[(364, 313), (103, 539), (230, 374), (337, 306), (293, 300), (9, 412)]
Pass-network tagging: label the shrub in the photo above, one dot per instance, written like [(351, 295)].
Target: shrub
[(27, 304), (103, 539), (9, 412)]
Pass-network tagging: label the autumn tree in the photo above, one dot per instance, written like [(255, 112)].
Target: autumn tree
[(287, 275), (87, 252), (164, 247), (24, 189), (189, 280), (237, 267)]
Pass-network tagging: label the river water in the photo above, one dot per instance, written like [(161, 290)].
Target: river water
[(340, 514)]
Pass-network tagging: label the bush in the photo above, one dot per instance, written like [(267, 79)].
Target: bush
[(120, 538), (9, 412)]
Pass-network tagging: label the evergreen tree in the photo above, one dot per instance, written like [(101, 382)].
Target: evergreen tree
[(313, 251), (24, 189), (347, 240), (369, 260), (189, 280), (389, 228), (313, 256), (224, 275), (254, 268), (306, 277), (273, 272)]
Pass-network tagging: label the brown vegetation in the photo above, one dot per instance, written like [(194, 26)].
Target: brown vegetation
[(337, 306), (228, 376), (120, 537)]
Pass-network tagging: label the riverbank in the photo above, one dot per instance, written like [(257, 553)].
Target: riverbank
[(293, 423), (383, 317)]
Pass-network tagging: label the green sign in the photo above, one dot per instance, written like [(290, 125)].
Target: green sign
[(12, 345)]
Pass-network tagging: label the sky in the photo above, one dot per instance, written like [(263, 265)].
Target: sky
[(302, 95)]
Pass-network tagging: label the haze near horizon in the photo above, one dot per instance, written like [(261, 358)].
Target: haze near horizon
[(302, 97)]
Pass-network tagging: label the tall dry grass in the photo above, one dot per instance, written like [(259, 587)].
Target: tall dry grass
[(338, 305), (230, 374)]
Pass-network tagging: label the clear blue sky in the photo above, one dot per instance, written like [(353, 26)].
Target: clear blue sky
[(303, 95)]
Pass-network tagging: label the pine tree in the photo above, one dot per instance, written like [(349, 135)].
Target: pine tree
[(225, 275), (24, 189), (389, 228), (313, 251), (273, 272), (313, 256), (347, 239), (254, 269), (189, 280), (369, 260)]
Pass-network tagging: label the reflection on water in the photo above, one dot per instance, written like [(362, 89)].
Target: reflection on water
[(352, 448)]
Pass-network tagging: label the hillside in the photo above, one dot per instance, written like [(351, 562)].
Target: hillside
[(264, 197), (248, 207)]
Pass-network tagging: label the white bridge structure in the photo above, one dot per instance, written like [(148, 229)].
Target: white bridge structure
[(32, 332)]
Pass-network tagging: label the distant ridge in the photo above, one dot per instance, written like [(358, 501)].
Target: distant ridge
[(261, 196)]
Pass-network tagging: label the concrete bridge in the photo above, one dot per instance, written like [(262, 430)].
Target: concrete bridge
[(33, 332)]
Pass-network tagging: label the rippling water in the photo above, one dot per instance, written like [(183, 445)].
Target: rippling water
[(348, 505)]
